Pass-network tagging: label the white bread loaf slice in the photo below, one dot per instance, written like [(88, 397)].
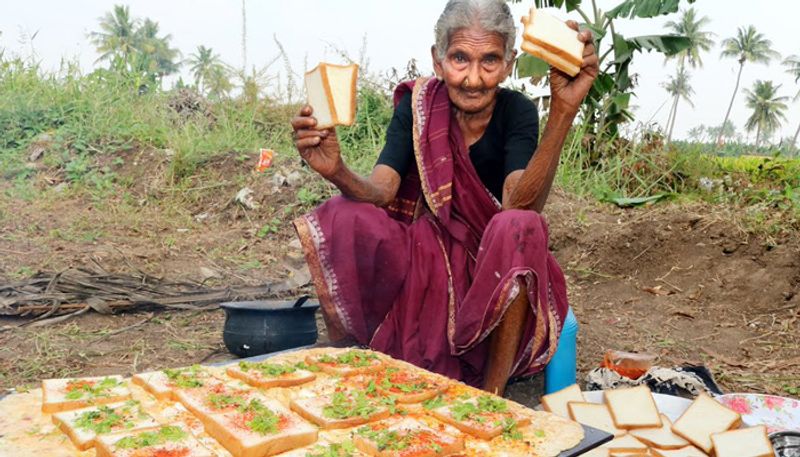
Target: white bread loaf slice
[(347, 363), (556, 402), (660, 437), (331, 91), (594, 415), (551, 40), (407, 437), (746, 442), (169, 439), (633, 407), (266, 375), (626, 444), (68, 394), (688, 451), (340, 410), (597, 452), (704, 417), (83, 426)]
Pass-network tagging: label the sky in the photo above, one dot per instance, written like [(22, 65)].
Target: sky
[(395, 32)]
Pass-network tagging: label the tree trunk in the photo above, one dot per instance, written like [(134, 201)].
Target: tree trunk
[(674, 116), (758, 135), (727, 114), (796, 133)]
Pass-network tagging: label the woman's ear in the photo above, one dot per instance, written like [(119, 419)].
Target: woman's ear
[(510, 63), (437, 64)]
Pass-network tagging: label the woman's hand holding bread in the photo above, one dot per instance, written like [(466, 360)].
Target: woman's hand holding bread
[(567, 92), (319, 148)]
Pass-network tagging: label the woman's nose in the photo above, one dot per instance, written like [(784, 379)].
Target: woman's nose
[(473, 80)]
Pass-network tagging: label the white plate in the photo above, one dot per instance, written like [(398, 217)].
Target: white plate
[(668, 405)]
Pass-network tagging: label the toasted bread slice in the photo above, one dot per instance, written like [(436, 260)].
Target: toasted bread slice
[(406, 438), (266, 375), (688, 451), (485, 416), (340, 410), (633, 407), (68, 394), (347, 363), (331, 91), (625, 444), (262, 426), (704, 417), (556, 402), (746, 442), (322, 448), (593, 415), (408, 386), (83, 426), (163, 384), (170, 439), (660, 437)]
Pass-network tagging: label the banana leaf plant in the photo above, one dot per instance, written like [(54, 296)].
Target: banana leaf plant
[(608, 104)]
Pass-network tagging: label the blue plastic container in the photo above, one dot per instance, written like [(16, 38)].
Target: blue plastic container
[(561, 371)]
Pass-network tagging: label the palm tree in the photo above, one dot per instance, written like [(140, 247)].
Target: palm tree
[(699, 40), (697, 132), (203, 64), (117, 38), (678, 86), (219, 83), (156, 56), (768, 109), (793, 62), (750, 45)]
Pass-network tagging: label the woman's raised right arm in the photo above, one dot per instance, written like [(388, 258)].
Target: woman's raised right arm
[(320, 149)]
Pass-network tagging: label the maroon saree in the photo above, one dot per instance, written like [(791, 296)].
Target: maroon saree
[(429, 277)]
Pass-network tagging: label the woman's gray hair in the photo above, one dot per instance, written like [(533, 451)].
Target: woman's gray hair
[(491, 15)]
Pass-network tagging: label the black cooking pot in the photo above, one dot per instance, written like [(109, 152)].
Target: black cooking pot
[(263, 326)]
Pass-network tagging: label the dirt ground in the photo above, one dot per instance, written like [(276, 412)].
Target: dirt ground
[(683, 281)]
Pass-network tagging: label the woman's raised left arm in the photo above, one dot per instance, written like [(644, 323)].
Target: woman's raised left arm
[(529, 189)]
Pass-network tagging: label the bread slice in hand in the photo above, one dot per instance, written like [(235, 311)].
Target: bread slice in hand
[(484, 417), (167, 440), (266, 374), (704, 417), (68, 394), (83, 426), (688, 451), (594, 415), (633, 407), (556, 402), (331, 91), (551, 40), (746, 442), (406, 438), (163, 384), (341, 409)]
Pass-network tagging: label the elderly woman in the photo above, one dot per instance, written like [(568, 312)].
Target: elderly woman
[(440, 257)]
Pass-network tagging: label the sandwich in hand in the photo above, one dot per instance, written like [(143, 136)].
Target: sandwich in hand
[(553, 41)]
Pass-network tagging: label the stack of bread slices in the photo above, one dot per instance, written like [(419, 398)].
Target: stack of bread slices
[(631, 415)]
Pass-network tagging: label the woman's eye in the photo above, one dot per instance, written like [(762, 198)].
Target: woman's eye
[(460, 58)]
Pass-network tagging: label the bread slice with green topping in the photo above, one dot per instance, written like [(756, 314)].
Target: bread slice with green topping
[(68, 394), (406, 438), (165, 440), (347, 362), (163, 384), (266, 375), (485, 416), (83, 426), (342, 409)]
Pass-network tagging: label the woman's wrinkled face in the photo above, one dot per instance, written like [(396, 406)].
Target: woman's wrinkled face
[(473, 67)]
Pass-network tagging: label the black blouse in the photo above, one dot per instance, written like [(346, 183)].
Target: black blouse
[(507, 145)]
